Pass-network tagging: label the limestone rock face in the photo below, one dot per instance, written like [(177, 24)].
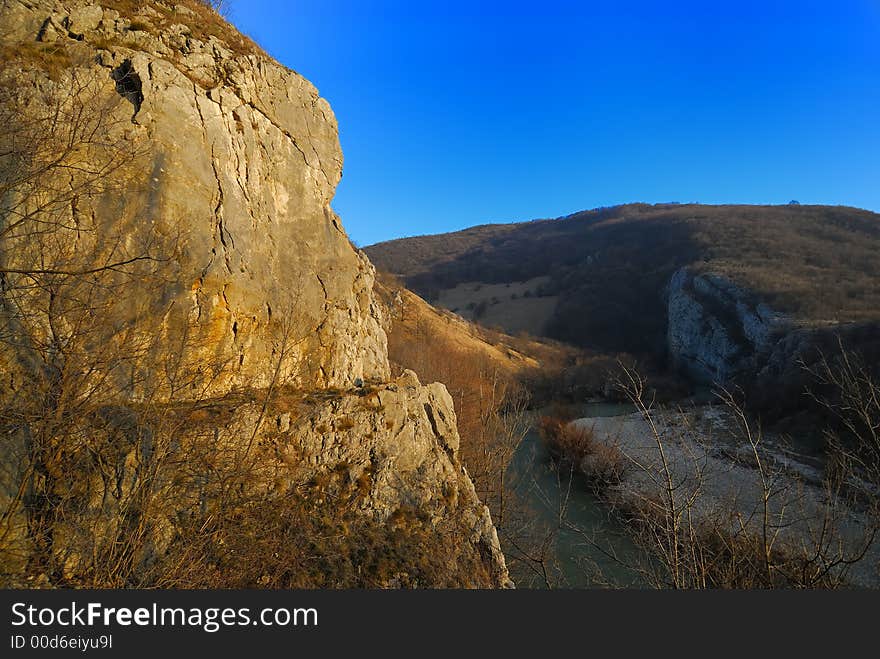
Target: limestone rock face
[(720, 333), (717, 331), (243, 161), (402, 441), (237, 160)]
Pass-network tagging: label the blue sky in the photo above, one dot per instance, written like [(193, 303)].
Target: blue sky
[(460, 113)]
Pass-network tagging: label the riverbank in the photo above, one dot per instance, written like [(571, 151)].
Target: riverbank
[(698, 471)]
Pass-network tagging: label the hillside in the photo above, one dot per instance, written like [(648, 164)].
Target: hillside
[(605, 274)]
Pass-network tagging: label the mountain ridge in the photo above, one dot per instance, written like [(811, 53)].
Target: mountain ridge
[(693, 235)]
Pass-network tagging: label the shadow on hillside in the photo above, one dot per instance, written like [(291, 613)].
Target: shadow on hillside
[(609, 274)]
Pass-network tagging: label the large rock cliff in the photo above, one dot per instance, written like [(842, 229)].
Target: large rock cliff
[(234, 162), (717, 331), (243, 159)]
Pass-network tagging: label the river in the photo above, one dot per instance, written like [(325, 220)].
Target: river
[(580, 544)]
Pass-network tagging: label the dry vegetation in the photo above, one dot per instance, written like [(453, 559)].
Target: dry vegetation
[(316, 537), (848, 388), (697, 530), (490, 376), (603, 464), (481, 376), (512, 305), (167, 495), (206, 20), (202, 20), (89, 468), (53, 58)]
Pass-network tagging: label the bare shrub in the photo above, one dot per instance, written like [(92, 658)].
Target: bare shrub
[(772, 531), (490, 406), (853, 401), (99, 413), (316, 537), (603, 464)]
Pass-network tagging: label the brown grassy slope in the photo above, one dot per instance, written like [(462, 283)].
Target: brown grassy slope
[(482, 369), (609, 266), (417, 323)]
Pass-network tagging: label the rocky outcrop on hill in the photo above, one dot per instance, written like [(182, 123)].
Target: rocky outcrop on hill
[(717, 331), (231, 163), (400, 441), (721, 333), (608, 268)]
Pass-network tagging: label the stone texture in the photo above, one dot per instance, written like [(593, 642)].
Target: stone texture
[(405, 436), (244, 159), (721, 333), (717, 331)]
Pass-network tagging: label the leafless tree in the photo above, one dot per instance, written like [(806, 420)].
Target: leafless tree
[(852, 399), (77, 314), (774, 530)]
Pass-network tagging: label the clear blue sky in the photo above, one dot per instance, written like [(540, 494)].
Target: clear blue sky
[(458, 113)]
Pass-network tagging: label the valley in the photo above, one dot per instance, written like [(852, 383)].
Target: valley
[(736, 377), (207, 384)]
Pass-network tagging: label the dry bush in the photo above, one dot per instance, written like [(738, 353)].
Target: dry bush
[(54, 58), (492, 414), (490, 406), (852, 400), (571, 442), (603, 464), (101, 405), (71, 300), (783, 537), (116, 468), (208, 19)]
